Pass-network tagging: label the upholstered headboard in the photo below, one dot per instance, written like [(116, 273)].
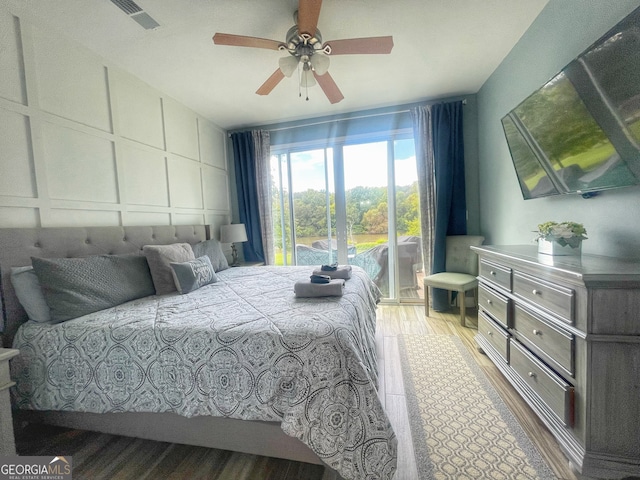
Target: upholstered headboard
[(18, 245)]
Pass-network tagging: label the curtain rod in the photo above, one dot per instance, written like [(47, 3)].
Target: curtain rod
[(322, 122)]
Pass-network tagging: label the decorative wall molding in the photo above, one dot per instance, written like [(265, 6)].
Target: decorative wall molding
[(83, 142)]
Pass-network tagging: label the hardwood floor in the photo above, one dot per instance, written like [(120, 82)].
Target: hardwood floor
[(394, 320), (101, 456)]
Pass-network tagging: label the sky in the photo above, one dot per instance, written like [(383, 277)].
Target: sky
[(364, 165)]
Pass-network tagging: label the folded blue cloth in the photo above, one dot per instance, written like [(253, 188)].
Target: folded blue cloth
[(304, 288), (343, 271), (320, 278)]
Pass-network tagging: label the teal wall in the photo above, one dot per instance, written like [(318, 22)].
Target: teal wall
[(560, 33)]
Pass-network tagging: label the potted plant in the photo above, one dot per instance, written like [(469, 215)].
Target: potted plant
[(564, 238)]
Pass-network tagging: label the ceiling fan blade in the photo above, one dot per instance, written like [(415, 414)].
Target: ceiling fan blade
[(308, 13), (329, 87), (243, 41), (361, 45), (270, 84)]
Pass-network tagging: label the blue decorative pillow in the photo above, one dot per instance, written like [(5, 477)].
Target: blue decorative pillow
[(74, 287), (192, 275), (212, 249)]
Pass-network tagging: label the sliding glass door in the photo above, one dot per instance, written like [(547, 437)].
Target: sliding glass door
[(302, 197), (353, 203), (407, 221), (366, 182)]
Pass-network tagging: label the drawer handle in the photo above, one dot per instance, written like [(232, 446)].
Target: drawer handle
[(492, 273), (489, 301), (537, 332), (489, 332), (536, 292), (531, 374)]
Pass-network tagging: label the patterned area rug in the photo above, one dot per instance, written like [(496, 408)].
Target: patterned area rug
[(460, 426)]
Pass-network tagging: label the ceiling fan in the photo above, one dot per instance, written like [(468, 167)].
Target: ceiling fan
[(306, 51)]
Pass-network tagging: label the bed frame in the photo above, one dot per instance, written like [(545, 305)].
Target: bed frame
[(18, 245)]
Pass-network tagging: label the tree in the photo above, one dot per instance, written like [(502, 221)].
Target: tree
[(408, 210), (359, 201), (375, 220), (559, 120), (310, 209), (366, 212)]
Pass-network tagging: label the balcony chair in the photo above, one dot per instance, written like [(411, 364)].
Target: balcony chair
[(461, 269), (307, 255), (316, 256)]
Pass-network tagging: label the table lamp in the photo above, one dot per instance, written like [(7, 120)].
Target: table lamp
[(234, 233)]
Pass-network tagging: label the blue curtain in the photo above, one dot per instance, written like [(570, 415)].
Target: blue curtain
[(451, 203), (247, 189)]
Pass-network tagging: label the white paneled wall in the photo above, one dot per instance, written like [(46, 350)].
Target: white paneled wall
[(84, 143), (11, 86), (138, 110)]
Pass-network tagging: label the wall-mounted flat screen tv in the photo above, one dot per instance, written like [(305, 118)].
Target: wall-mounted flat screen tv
[(580, 132)]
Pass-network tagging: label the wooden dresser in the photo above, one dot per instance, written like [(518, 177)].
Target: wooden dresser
[(565, 331)]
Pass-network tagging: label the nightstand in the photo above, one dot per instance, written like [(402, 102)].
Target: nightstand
[(7, 441)]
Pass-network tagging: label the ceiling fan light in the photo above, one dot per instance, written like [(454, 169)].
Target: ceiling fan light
[(307, 79), (320, 63), (288, 65)]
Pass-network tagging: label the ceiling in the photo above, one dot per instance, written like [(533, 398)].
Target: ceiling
[(441, 49)]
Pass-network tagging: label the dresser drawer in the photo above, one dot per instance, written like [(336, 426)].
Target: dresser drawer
[(553, 345), (497, 274), (555, 393), (548, 296), (494, 303), (494, 334)]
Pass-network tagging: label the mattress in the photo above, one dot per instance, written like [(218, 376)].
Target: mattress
[(245, 347)]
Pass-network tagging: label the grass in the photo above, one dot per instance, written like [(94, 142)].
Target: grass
[(586, 161), (589, 159)]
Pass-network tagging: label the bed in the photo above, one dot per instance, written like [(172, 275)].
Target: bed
[(241, 364)]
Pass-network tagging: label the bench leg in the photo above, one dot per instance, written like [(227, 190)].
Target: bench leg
[(463, 308), (426, 300)]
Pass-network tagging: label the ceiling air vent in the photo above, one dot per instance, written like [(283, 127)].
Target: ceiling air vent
[(145, 20), (127, 6), (134, 11)]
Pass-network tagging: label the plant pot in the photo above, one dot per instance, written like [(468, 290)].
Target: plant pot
[(548, 247)]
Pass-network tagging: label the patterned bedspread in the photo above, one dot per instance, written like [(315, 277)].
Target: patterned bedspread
[(244, 347)]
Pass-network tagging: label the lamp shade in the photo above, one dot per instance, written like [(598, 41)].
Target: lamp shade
[(320, 63), (233, 233), (307, 79), (288, 65)]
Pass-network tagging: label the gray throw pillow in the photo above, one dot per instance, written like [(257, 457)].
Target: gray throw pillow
[(192, 275), (25, 283), (213, 250), (159, 258), (74, 287)]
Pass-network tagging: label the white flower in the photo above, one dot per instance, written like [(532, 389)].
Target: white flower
[(565, 233), (562, 231)]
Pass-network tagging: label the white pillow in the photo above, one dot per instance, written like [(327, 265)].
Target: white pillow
[(25, 283), (159, 257)]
